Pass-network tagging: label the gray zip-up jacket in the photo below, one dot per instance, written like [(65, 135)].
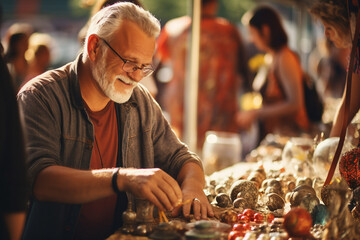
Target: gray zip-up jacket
[(59, 132)]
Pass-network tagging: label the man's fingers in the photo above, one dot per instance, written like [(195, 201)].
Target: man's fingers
[(204, 211), (153, 199), (170, 191), (210, 211), (186, 209), (175, 187), (176, 211), (196, 208), (163, 197)]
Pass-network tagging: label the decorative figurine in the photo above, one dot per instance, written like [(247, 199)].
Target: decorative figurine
[(299, 193), (275, 201), (129, 219), (144, 217), (341, 224), (245, 189), (223, 200)]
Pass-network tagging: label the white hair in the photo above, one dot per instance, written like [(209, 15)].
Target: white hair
[(105, 22)]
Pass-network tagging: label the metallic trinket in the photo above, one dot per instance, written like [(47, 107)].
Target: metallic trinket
[(202, 230), (129, 220), (165, 231), (144, 217)]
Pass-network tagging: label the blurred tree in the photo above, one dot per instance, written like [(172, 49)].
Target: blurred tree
[(81, 7), (233, 10), (166, 10)]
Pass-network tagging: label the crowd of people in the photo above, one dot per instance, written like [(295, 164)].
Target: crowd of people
[(86, 138)]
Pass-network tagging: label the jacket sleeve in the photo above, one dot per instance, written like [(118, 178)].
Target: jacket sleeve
[(42, 132)]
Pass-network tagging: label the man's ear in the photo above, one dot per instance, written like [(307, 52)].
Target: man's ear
[(93, 46)]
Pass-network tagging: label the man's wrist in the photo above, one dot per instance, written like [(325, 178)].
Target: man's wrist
[(192, 183)]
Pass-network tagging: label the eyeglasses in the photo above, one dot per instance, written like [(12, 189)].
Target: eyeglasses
[(129, 66)]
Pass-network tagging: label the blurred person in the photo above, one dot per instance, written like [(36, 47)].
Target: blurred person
[(13, 201), (148, 81), (338, 23), (107, 140), (223, 71), (17, 42), (331, 70), (283, 106), (38, 55)]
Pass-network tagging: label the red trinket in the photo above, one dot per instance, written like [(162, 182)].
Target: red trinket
[(238, 227), (245, 219), (246, 226), (349, 167), (298, 222), (235, 234), (270, 217), (249, 213), (239, 217), (258, 218)]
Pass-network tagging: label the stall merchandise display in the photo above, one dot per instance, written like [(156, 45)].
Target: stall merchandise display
[(264, 200)]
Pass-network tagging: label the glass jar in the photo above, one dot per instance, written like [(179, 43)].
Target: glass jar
[(220, 150), (296, 156)]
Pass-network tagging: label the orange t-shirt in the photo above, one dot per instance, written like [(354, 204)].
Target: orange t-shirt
[(96, 218)]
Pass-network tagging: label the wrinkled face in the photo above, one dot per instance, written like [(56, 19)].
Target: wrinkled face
[(132, 44), (257, 38), (334, 36)]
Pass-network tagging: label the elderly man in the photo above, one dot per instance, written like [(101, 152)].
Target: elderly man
[(95, 133)]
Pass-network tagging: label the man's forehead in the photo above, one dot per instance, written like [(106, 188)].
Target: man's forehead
[(133, 43)]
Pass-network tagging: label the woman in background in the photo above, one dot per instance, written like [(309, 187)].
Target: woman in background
[(17, 42), (283, 108), (338, 21)]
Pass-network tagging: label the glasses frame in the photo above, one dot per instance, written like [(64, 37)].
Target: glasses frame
[(145, 71)]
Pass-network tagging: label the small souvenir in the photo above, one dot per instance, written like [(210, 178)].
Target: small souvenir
[(349, 167), (298, 222)]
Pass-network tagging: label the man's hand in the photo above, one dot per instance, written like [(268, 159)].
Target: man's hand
[(194, 197), (244, 119), (152, 184), (192, 181)]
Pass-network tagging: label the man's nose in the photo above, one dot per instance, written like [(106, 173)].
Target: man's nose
[(136, 75)]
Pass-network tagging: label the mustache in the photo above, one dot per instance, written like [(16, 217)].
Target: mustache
[(126, 80)]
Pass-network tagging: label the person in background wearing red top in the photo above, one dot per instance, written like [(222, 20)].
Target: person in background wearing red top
[(223, 72), (96, 138)]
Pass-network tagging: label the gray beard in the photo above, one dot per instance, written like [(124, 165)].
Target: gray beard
[(108, 87)]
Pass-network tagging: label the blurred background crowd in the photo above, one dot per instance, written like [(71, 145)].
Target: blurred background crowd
[(39, 35), (252, 64)]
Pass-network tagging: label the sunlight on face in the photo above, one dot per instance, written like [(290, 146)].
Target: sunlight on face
[(107, 83), (334, 36), (257, 38)]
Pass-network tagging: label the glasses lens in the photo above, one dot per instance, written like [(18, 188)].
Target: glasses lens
[(129, 67), (147, 71), (132, 67)]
